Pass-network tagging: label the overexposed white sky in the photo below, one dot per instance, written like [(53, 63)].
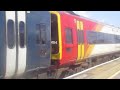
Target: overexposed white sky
[(109, 17), (83, 13)]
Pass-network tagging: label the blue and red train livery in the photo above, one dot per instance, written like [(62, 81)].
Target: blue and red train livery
[(48, 40)]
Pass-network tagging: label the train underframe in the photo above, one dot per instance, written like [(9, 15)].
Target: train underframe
[(59, 72)]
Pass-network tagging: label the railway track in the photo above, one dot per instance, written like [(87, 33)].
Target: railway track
[(107, 70)]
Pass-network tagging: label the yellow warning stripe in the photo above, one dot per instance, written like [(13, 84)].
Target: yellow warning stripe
[(59, 55), (81, 46)]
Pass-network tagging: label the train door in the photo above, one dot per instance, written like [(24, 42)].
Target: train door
[(80, 36), (70, 41), (38, 39)]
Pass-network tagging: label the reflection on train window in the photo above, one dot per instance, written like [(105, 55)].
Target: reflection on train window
[(69, 39), (11, 34), (40, 33), (22, 34), (80, 36)]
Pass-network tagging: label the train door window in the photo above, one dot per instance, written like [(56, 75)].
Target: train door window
[(54, 34), (43, 33), (69, 39), (11, 34), (40, 34), (22, 34), (37, 33), (80, 36)]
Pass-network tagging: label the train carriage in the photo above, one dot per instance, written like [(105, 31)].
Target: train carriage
[(81, 38), (25, 41), (48, 40)]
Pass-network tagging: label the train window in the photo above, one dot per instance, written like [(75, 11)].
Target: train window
[(113, 39), (110, 39), (80, 36), (54, 34), (22, 34), (69, 39), (117, 38), (92, 37), (106, 41), (100, 38), (38, 33), (41, 33), (11, 34)]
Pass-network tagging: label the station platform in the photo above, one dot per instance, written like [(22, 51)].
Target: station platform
[(108, 70)]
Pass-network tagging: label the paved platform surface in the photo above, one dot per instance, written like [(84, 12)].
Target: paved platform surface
[(109, 70)]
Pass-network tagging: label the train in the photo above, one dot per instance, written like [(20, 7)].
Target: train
[(48, 43)]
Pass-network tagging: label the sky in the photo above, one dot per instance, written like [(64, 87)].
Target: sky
[(109, 17)]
